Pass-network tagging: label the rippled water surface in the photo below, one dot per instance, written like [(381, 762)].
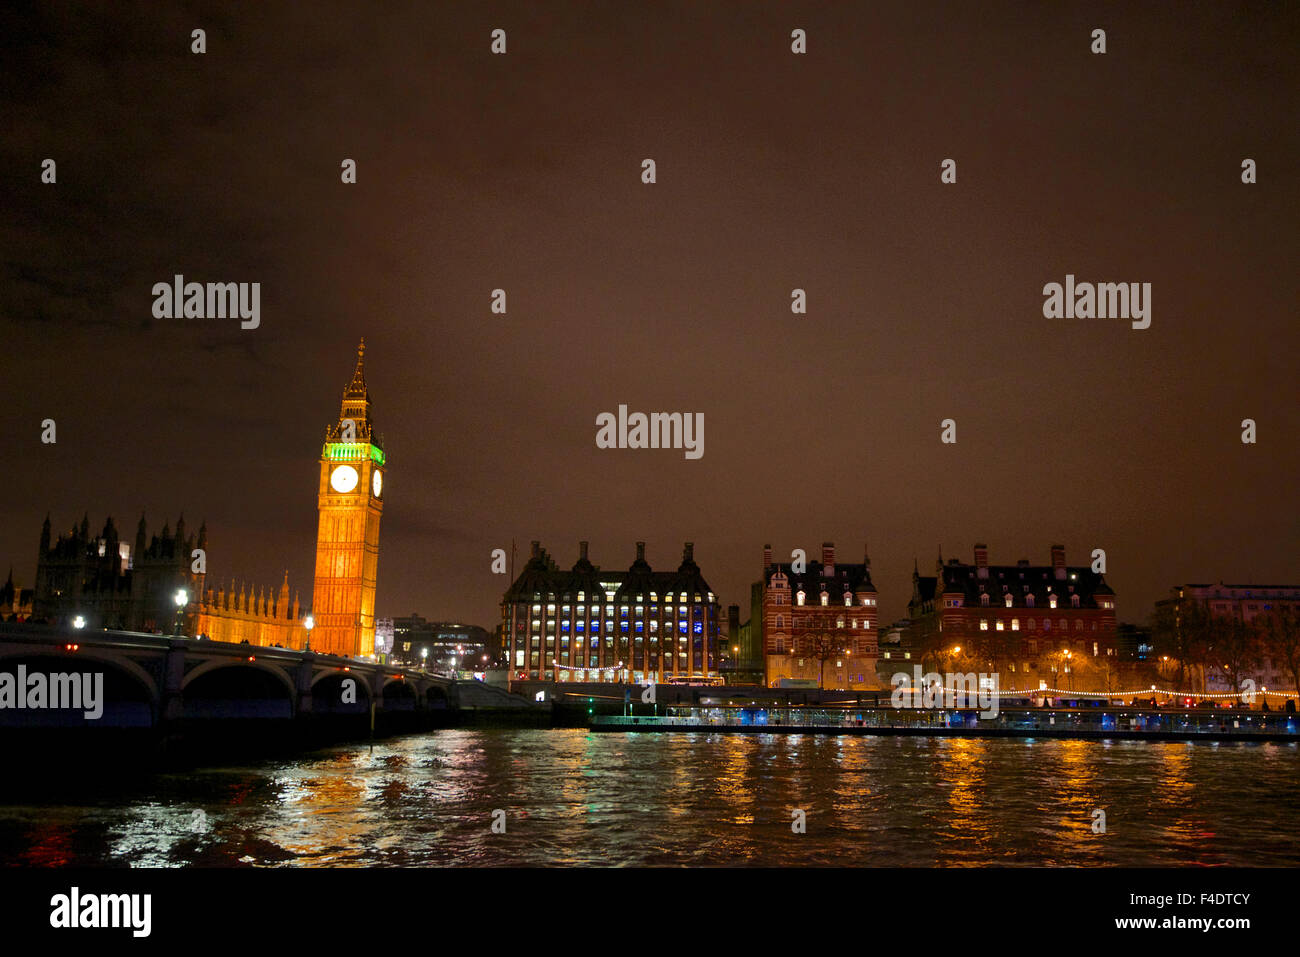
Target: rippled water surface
[(572, 797)]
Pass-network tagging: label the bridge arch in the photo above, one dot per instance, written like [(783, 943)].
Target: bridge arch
[(77, 661), (327, 695), (238, 689), (399, 695)]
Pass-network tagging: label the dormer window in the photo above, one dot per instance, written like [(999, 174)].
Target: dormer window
[(848, 599), (1074, 600), (799, 596), (1029, 601), (1008, 599), (1051, 600), (826, 599), (984, 600)]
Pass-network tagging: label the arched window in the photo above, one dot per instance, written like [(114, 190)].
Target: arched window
[(1074, 600), (848, 599), (1008, 599), (984, 600), (780, 645), (1029, 601), (1051, 600), (800, 596), (826, 599), (780, 621)]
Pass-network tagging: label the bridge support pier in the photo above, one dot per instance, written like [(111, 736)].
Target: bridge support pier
[(172, 701)]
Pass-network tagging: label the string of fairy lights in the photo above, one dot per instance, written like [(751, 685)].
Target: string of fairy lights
[(1247, 696), (1144, 692)]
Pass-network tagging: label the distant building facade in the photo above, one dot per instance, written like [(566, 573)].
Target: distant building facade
[(267, 618), (1032, 624), (818, 622), (1252, 604), (585, 624), (439, 645), (15, 601), (108, 583)]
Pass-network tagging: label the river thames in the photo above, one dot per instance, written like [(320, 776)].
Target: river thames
[(571, 797)]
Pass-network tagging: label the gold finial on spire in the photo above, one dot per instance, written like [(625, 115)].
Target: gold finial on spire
[(357, 387)]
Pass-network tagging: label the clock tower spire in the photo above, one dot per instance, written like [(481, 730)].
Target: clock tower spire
[(349, 502)]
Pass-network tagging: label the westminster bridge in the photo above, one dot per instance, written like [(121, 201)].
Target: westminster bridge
[(173, 688)]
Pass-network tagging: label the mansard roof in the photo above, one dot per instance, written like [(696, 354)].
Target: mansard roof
[(855, 578), (1020, 581), (543, 576)]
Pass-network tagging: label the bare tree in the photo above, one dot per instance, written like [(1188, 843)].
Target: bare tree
[(1281, 640), (1234, 646), (1182, 629), (823, 647)]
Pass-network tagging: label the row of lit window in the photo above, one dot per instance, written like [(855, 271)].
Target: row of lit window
[(1029, 601), (839, 623), (1031, 626), (623, 610), (801, 598), (654, 596)]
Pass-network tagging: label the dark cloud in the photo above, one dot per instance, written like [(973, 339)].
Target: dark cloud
[(522, 172)]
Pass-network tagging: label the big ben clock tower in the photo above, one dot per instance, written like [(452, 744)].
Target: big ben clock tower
[(350, 502)]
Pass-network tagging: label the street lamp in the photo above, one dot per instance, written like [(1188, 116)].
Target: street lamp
[(182, 598), (78, 622), (309, 623), (424, 658)]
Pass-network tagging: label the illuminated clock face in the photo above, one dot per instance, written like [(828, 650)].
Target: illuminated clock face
[(377, 481), (343, 479)]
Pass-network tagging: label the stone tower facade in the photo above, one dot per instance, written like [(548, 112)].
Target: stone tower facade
[(350, 504)]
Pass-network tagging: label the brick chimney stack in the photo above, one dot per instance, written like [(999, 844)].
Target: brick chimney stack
[(982, 560), (767, 557), (1058, 561), (828, 559)]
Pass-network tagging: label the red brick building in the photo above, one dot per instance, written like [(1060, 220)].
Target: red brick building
[(1027, 623), (819, 623)]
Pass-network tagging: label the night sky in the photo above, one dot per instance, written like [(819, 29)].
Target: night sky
[(775, 172)]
